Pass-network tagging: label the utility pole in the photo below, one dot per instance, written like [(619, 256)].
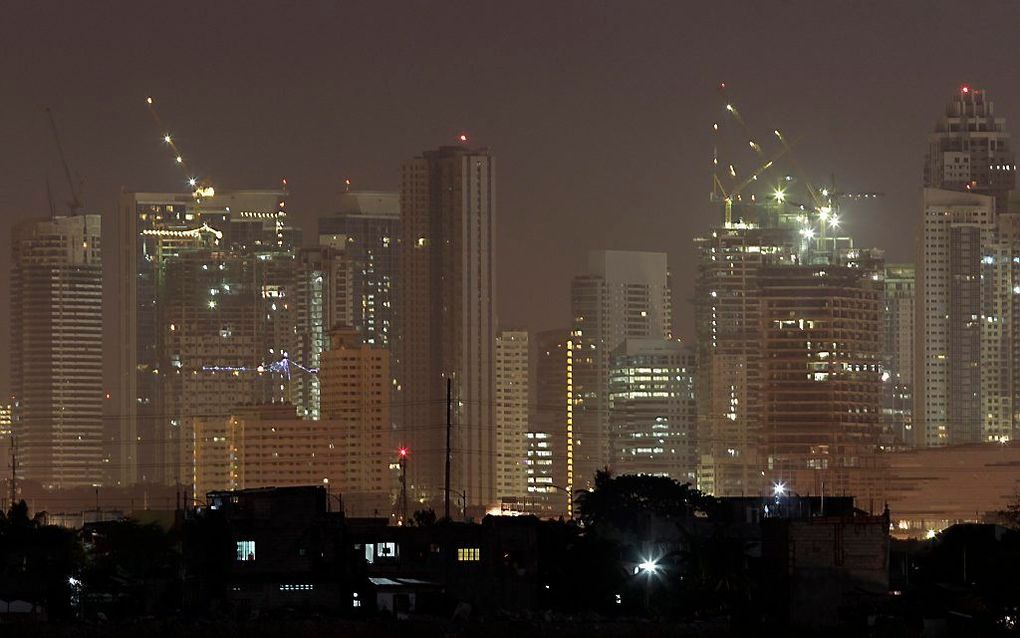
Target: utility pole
[(403, 485), (14, 468), (449, 426)]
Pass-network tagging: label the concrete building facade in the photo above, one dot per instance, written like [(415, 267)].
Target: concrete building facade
[(448, 332), (355, 383), (366, 229), (622, 294), (56, 309), (513, 404), (652, 413), (899, 285)]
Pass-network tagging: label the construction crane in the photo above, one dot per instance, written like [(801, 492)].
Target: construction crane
[(728, 197), (201, 187), (75, 204), (824, 202), (718, 189)]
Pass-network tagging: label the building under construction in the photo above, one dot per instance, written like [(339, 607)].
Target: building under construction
[(787, 315)]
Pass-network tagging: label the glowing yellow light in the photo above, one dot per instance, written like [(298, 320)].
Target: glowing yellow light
[(192, 181), (212, 303), (148, 100), (179, 159), (729, 107), (166, 138)]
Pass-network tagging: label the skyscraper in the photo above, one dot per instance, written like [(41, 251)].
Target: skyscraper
[(898, 354), (966, 280), (727, 311), (1000, 331), (366, 228), (512, 406), (447, 297), (969, 149), (652, 415), (821, 373), (323, 299), (355, 380), (956, 228), (623, 294), (226, 327), (550, 429), (155, 230), (56, 303)]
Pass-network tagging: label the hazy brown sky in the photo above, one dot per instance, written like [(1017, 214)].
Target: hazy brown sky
[(599, 112)]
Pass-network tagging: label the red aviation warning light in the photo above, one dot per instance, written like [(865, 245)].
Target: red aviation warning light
[(403, 452), (964, 89), (462, 137)]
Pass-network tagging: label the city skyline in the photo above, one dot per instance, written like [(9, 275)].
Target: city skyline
[(587, 192)]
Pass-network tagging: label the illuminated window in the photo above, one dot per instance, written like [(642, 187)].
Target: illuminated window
[(469, 554), (245, 550)]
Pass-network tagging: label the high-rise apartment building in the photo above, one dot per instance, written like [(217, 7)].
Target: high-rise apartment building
[(1000, 331), (821, 379), (969, 150), (957, 228), (623, 294), (550, 429), (157, 229), (226, 326), (261, 445), (56, 305), (447, 299), (730, 375), (366, 228), (966, 279), (323, 299), (355, 382), (652, 414), (512, 407), (899, 287)]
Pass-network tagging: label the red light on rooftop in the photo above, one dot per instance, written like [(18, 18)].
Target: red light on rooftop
[(965, 89), (462, 137), (403, 452)]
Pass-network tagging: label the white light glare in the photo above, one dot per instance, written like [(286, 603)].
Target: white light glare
[(779, 489), (649, 566)]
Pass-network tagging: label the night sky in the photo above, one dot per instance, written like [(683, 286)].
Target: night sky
[(599, 113)]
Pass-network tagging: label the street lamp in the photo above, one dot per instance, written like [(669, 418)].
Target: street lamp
[(649, 568)]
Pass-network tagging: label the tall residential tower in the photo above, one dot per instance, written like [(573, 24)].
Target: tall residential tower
[(447, 300), (56, 304)]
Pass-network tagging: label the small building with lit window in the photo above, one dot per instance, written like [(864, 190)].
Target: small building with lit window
[(289, 550), (431, 568)]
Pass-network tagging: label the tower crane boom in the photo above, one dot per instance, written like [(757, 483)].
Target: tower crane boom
[(201, 187), (75, 205)]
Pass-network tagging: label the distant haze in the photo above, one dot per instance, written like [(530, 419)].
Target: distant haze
[(599, 114)]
